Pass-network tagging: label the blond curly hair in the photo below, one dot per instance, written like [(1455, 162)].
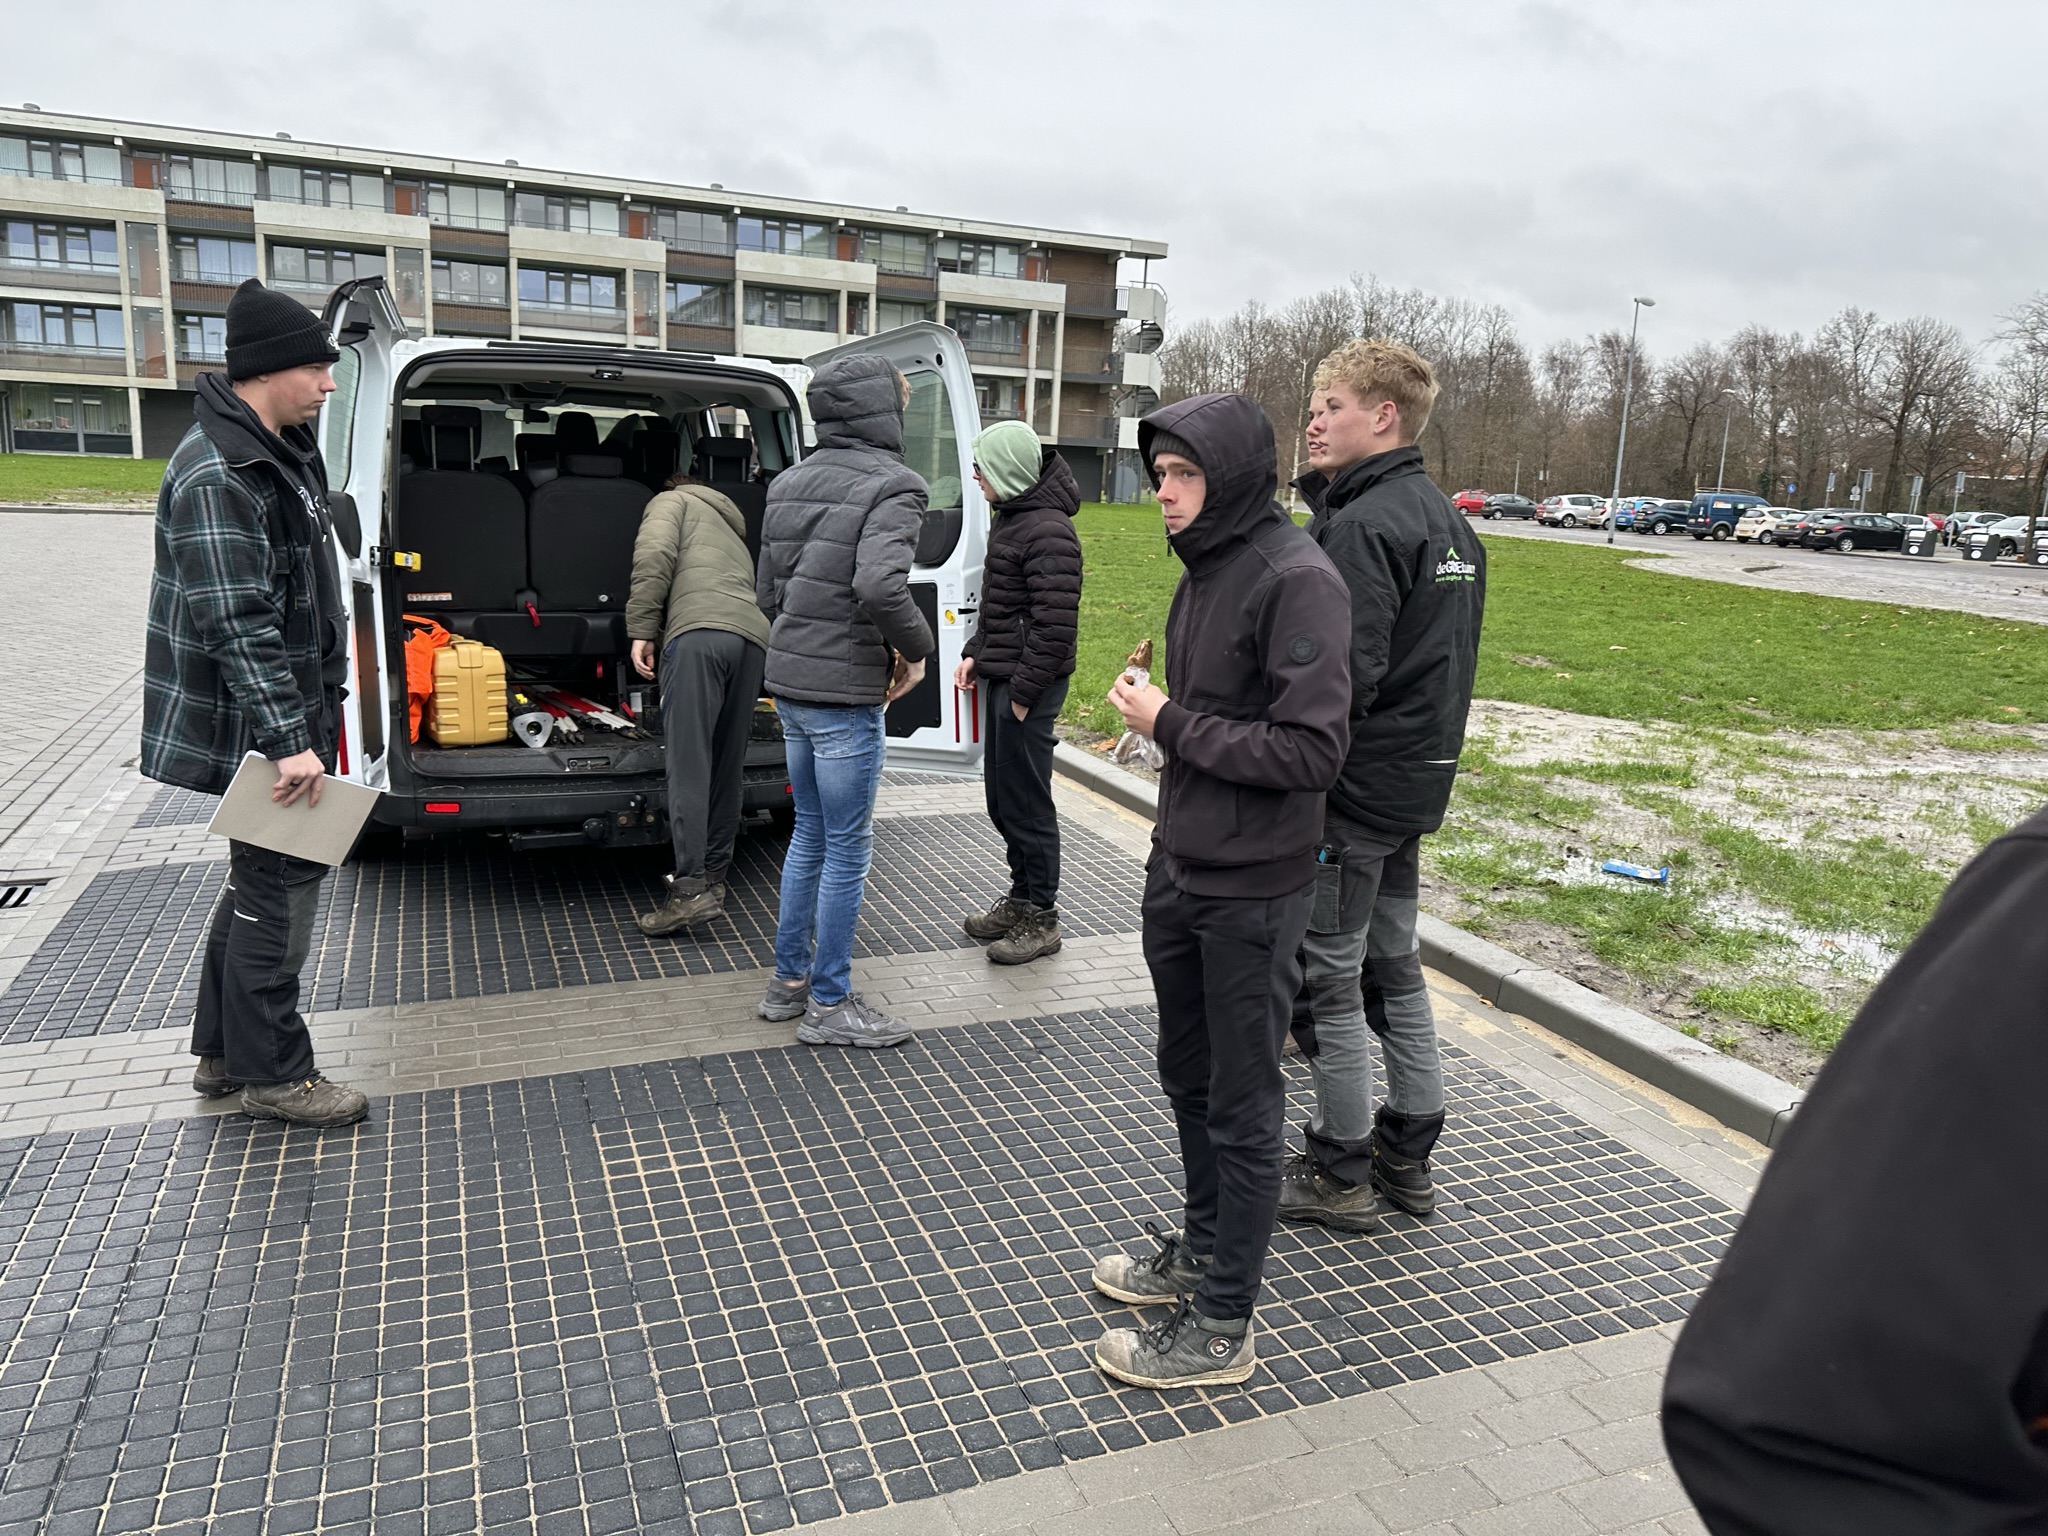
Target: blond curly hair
[(1374, 369)]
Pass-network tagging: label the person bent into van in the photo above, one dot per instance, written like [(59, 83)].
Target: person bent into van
[(247, 650), (1023, 648), (1254, 734), (845, 639), (1417, 579), (693, 592)]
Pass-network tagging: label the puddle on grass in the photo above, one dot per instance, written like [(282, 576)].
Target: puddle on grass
[(1858, 955)]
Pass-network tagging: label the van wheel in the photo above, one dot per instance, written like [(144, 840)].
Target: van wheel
[(1721, 531)]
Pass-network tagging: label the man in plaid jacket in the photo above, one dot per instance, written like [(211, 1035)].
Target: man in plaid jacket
[(248, 651)]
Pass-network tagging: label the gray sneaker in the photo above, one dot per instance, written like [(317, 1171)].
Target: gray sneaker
[(1036, 935), (1153, 1279), (210, 1078), (1307, 1193), (785, 999), (1183, 1350), (850, 1021), (311, 1101), (997, 920)]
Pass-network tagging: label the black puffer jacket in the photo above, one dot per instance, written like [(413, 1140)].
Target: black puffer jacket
[(1031, 587), (1257, 663), (836, 546)]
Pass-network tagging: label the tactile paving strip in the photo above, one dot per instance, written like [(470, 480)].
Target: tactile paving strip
[(174, 807), (728, 1294), (470, 920)]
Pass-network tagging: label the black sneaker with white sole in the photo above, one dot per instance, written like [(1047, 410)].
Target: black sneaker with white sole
[(1184, 1349), (1151, 1279)]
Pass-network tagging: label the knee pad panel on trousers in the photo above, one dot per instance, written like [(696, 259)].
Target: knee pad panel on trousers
[(1396, 974)]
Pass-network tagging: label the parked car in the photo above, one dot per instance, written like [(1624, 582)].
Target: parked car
[(1959, 528), (1662, 517), (2010, 534), (1792, 533), (1508, 504), (1471, 503), (1854, 530), (1763, 523), (1571, 511), (1713, 514)]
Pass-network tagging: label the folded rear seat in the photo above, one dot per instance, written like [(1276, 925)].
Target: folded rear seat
[(468, 528)]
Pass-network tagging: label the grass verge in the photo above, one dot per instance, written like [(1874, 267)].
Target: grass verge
[(80, 478)]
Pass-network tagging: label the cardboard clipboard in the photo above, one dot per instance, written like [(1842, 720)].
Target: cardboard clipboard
[(322, 833)]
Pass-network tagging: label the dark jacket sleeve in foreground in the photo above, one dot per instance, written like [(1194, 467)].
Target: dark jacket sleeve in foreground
[(1303, 630), (1872, 1356)]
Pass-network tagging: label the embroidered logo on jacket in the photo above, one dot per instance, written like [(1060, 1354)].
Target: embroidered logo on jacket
[(1451, 568)]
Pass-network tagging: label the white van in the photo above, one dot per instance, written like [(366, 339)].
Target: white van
[(495, 487)]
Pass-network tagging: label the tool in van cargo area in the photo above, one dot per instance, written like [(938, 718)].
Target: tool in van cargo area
[(597, 714), (468, 704), (534, 727), (565, 723)]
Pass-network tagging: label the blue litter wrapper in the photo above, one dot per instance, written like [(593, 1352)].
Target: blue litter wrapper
[(1638, 871)]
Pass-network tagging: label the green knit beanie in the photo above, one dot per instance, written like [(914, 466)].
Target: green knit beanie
[(1009, 457)]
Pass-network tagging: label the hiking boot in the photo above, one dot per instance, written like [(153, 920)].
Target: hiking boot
[(785, 999), (689, 903), (1146, 1280), (210, 1078), (1307, 1193), (310, 1101), (1403, 1181), (850, 1021), (1183, 1350), (997, 920), (1036, 935)]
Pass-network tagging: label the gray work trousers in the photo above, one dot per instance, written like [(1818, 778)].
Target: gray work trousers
[(1363, 927), (710, 681)]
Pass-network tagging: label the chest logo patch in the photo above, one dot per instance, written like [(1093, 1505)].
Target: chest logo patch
[(1303, 650)]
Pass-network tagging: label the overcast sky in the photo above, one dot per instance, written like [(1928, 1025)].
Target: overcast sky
[(1737, 160)]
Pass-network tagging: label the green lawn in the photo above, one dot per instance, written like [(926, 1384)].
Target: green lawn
[(1571, 627), (77, 477)]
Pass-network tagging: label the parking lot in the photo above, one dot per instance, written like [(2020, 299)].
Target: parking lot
[(2003, 589)]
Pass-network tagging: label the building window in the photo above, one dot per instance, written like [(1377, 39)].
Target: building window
[(893, 314), (212, 259), (693, 229), (792, 309), (202, 338), (320, 188), (469, 282), (897, 250), (994, 331), (149, 341), (198, 178), (700, 303), (59, 159), (456, 204), (999, 399), (785, 237), (80, 328), (980, 257), (62, 418), (573, 215), (145, 274), (857, 307), (68, 247), (317, 269), (548, 288)]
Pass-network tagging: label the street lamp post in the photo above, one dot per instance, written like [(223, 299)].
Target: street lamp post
[(1721, 474), (1628, 383)]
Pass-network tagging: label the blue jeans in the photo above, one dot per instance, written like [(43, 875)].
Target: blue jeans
[(835, 767)]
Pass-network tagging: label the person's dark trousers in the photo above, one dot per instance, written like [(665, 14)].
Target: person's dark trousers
[(1225, 970), (710, 682), (262, 931), (1017, 775)]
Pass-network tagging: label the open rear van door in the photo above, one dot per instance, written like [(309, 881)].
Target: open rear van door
[(935, 725), (354, 428)]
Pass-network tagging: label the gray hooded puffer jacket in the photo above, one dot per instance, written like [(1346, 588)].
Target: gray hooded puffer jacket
[(836, 546)]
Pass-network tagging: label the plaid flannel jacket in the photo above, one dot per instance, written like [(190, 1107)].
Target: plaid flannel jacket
[(233, 655)]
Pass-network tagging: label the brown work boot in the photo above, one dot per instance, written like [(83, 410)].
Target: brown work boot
[(210, 1078), (689, 903), (1034, 937), (997, 920), (310, 1101)]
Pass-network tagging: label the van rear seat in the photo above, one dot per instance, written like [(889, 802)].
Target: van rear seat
[(468, 528), (723, 463)]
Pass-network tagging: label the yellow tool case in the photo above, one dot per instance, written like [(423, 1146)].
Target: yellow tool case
[(468, 704)]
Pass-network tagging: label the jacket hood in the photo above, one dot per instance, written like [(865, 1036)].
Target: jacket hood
[(238, 432), (1354, 480), (1056, 489), (1233, 438), (856, 401)]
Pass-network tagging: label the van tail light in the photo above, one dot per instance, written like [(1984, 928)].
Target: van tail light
[(442, 807)]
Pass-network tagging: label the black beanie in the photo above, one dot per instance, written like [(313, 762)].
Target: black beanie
[(1164, 441), (268, 333)]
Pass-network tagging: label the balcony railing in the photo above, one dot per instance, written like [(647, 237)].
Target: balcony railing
[(990, 417), (57, 274), (63, 357), (572, 317), (201, 354), (220, 275), (475, 300), (1008, 357)]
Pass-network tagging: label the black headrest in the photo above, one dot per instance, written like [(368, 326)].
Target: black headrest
[(575, 432), (412, 440), (534, 448), (624, 430), (723, 460), (469, 416), (453, 445), (592, 466)]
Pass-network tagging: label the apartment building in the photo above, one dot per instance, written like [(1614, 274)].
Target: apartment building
[(124, 241)]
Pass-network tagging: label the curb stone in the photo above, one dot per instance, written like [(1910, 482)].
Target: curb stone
[(115, 508), (1742, 1097)]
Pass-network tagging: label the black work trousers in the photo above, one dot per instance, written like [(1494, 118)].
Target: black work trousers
[(710, 682), (1017, 776), (262, 931), (1225, 970)]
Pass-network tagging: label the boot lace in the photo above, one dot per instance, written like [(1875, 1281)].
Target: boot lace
[(1169, 1246), (1160, 1336)]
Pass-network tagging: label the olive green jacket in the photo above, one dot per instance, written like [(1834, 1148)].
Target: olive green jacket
[(691, 569)]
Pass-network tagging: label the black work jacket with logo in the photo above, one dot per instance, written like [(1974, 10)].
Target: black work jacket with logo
[(1417, 575)]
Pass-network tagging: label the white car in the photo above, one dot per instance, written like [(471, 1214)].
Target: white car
[(1762, 523), (1573, 511), (2008, 536)]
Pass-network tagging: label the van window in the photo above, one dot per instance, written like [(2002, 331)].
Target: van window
[(932, 448), (340, 415)]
